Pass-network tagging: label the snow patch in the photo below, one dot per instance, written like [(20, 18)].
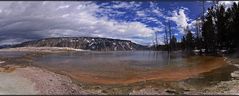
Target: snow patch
[(2, 62)]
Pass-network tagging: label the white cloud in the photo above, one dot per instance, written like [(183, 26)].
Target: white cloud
[(227, 4), (12, 41), (120, 4), (140, 13), (63, 7), (180, 18), (208, 1), (193, 23), (158, 12), (34, 20)]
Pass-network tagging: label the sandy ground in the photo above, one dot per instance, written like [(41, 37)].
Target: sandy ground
[(41, 49), (32, 80)]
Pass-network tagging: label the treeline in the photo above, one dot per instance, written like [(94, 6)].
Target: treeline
[(218, 31)]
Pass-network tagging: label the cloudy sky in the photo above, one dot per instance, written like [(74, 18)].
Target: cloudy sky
[(136, 21)]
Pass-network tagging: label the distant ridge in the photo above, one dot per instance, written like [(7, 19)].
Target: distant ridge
[(86, 43)]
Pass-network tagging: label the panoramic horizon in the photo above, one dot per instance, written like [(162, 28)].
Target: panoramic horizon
[(135, 21), (119, 48)]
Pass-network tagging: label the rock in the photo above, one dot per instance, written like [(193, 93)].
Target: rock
[(236, 65), (1, 62), (148, 91), (170, 91), (235, 74)]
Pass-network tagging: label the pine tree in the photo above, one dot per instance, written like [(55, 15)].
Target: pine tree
[(183, 43), (208, 32), (189, 41), (173, 43), (228, 23), (221, 27), (235, 24)]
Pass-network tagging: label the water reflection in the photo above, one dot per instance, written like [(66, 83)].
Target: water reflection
[(128, 66), (12, 54)]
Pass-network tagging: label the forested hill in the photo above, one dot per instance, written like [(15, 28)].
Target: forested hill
[(86, 43)]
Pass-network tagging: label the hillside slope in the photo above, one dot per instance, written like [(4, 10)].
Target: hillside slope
[(86, 43)]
